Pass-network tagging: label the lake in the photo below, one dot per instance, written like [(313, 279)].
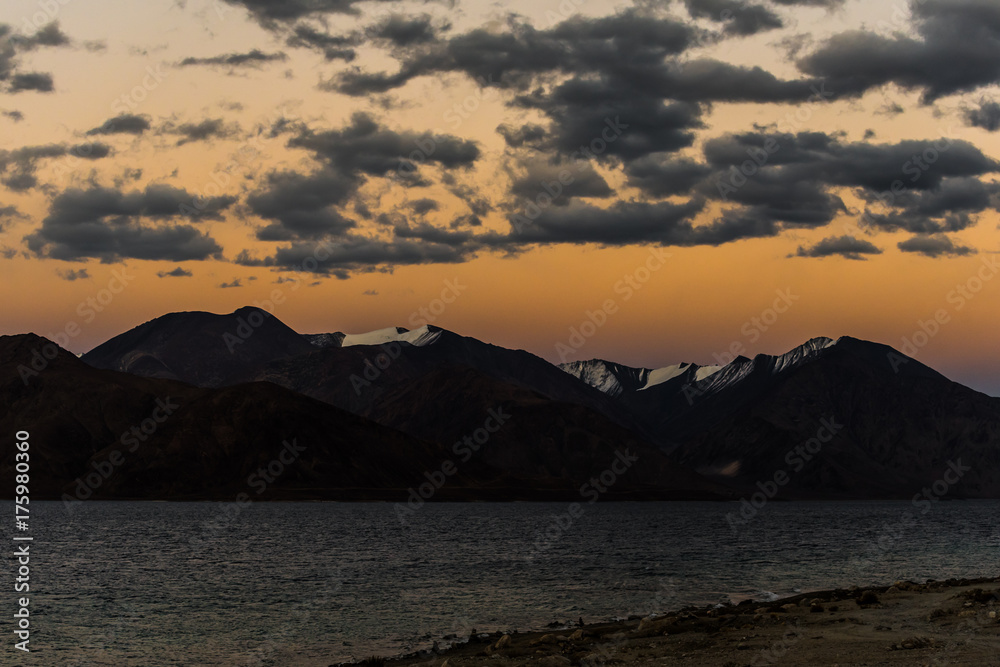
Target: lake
[(143, 583)]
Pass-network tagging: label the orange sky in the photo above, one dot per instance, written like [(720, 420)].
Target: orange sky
[(699, 305)]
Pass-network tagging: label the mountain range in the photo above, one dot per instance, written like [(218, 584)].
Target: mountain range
[(386, 414)]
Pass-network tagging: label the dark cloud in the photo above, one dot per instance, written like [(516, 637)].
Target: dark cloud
[(987, 116), (512, 58), (179, 272), (300, 205), (366, 147), (37, 81), (558, 183), (423, 206), (235, 283), (333, 47), (405, 30), (204, 130), (357, 254), (8, 213), (623, 223), (789, 178), (948, 207), (72, 275), (739, 17), (15, 116), (431, 234), (590, 119), (12, 44), (829, 4), (19, 166), (957, 49), (844, 246), (527, 135), (49, 35), (77, 206), (935, 246), (123, 124), (586, 73), (253, 58), (111, 225), (271, 12), (659, 175), (8, 54)]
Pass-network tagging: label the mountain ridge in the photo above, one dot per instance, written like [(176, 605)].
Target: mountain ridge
[(726, 421)]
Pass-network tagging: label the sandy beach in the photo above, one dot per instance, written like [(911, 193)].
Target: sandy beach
[(950, 622)]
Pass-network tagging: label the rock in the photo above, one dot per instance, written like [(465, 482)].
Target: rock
[(867, 598), (993, 614), (503, 642), (967, 613), (789, 607), (804, 602), (815, 609), (912, 643), (545, 639), (577, 636), (554, 661)]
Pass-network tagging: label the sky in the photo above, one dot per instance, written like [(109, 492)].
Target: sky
[(644, 182)]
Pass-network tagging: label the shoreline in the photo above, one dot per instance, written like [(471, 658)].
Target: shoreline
[(952, 622)]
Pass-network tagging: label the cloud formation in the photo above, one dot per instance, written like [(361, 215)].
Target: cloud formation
[(846, 246), (112, 225)]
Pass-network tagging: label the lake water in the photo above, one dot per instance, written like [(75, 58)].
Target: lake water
[(129, 583)]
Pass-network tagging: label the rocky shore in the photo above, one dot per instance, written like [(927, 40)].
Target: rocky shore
[(950, 622)]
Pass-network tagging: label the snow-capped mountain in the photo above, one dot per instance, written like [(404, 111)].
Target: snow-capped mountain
[(617, 379), (735, 423), (425, 335)]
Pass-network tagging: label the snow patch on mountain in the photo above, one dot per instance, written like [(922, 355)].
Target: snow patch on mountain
[(802, 353), (661, 375), (614, 379), (425, 335), (600, 374)]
